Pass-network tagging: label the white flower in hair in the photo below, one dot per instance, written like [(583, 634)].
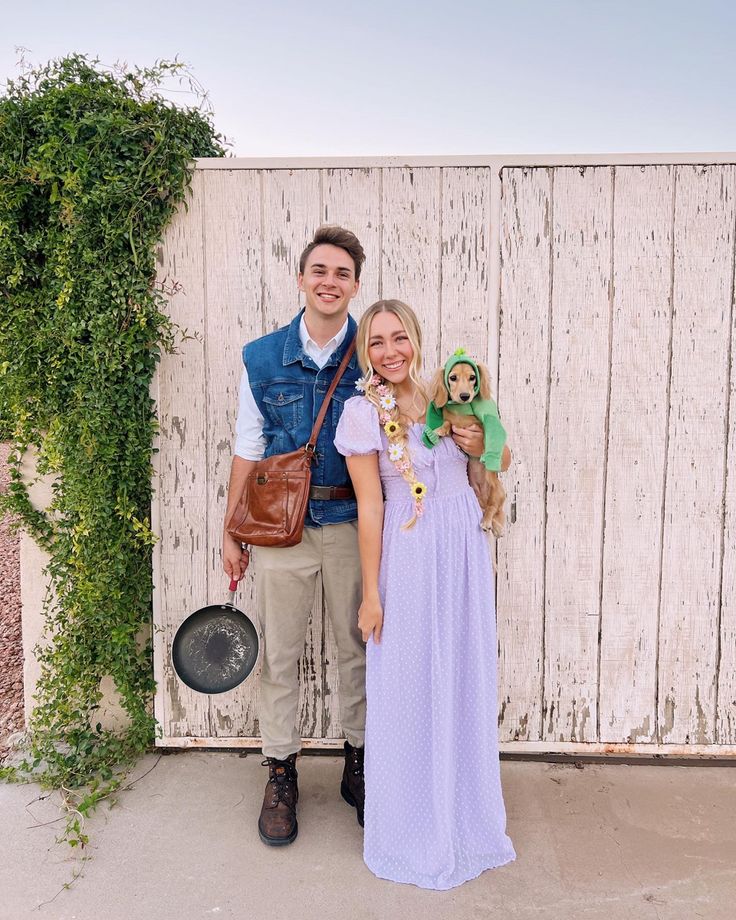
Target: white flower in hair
[(387, 402), (360, 386), (395, 452)]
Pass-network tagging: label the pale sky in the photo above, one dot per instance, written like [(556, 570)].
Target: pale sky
[(383, 77)]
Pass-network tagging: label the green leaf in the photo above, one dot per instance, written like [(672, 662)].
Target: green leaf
[(93, 165)]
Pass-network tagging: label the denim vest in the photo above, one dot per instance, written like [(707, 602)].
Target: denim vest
[(289, 390)]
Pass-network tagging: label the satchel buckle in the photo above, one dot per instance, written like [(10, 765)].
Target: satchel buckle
[(261, 480)]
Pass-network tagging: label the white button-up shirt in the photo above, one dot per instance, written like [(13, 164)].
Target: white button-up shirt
[(249, 441)]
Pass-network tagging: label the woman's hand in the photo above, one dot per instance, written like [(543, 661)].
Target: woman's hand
[(505, 458), (370, 619), (234, 560), (470, 439)]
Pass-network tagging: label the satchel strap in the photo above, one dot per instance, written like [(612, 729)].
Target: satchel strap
[(312, 443)]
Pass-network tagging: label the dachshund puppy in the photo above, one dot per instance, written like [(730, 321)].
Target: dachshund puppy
[(461, 396)]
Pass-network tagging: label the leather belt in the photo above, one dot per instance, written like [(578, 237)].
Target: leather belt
[(327, 493)]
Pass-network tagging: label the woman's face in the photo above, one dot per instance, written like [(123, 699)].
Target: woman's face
[(389, 348)]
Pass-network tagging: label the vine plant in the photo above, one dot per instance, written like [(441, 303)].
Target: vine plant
[(93, 164)]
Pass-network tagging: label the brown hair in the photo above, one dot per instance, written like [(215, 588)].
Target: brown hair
[(336, 236)]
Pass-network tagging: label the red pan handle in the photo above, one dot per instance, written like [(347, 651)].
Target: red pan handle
[(234, 581)]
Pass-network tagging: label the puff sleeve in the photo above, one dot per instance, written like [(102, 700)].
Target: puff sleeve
[(358, 431)]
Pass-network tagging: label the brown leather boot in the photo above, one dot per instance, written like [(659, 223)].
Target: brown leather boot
[(352, 787), (277, 825)]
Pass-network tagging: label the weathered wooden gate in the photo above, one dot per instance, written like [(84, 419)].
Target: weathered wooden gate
[(602, 297)]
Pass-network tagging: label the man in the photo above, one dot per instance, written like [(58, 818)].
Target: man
[(286, 376)]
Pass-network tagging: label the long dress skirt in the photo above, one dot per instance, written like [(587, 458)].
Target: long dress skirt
[(434, 810)]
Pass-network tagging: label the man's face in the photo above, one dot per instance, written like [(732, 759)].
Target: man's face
[(328, 281)]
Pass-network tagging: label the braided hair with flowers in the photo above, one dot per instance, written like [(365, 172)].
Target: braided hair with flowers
[(380, 394)]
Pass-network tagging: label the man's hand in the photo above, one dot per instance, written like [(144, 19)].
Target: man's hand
[(234, 560), (469, 439)]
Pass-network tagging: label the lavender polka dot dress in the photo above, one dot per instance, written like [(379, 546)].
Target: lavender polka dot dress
[(434, 811)]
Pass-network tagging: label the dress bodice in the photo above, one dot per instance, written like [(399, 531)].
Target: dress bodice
[(443, 469)]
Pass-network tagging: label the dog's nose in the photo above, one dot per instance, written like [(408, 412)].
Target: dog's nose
[(465, 396)]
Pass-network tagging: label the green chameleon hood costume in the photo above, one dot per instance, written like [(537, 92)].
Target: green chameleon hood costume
[(485, 410)]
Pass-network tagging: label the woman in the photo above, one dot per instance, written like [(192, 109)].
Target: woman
[(434, 812)]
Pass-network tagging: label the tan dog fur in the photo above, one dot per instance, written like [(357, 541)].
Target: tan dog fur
[(487, 486)]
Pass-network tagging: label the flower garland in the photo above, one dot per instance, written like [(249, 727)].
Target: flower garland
[(381, 396)]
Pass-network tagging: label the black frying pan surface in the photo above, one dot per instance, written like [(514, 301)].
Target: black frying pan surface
[(215, 648)]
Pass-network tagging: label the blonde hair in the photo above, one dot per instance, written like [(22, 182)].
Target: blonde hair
[(406, 316), (408, 319)]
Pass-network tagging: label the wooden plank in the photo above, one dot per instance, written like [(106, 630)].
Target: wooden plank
[(291, 209), (495, 162), (703, 277), (524, 343), (410, 256), (352, 199), (495, 193), (576, 449), (181, 487), (692, 753), (159, 639), (291, 214), (726, 709), (464, 297), (636, 452), (233, 308)]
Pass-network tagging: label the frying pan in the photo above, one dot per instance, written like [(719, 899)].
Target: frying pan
[(215, 648)]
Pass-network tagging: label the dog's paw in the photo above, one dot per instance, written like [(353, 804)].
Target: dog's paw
[(491, 526)]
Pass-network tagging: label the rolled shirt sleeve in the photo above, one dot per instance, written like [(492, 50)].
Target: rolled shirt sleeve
[(250, 443)]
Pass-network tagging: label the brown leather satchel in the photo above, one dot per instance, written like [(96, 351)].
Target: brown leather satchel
[(273, 506)]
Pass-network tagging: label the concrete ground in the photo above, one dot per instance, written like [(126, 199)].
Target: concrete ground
[(605, 841)]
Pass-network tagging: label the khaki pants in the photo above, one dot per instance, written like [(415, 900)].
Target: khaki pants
[(286, 578)]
